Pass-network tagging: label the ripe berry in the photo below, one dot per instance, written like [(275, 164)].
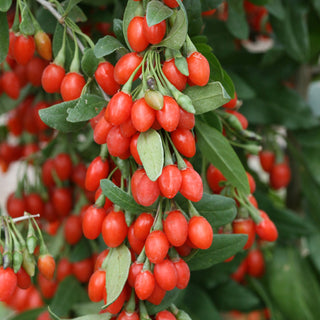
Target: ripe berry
[(155, 33), (23, 49), (266, 229), (169, 116), (165, 274), (157, 295), (119, 108), (255, 263), (97, 285), (134, 270), (46, 266), (63, 166), (245, 226), (105, 78), (144, 191), (184, 141), (73, 229), (200, 232), (52, 77), (136, 35), (144, 284), (214, 177), (175, 227), (8, 283), (142, 225), (165, 315), (280, 176), (125, 67), (35, 68), (232, 103), (97, 170), (171, 4), (135, 244), (15, 206), (92, 222), (183, 273), (118, 145), (170, 181), (142, 116), (114, 229), (172, 73), (199, 69), (71, 86), (191, 186), (83, 269), (156, 246), (10, 84), (62, 201), (267, 159)]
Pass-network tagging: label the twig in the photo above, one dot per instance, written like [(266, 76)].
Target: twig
[(60, 19)]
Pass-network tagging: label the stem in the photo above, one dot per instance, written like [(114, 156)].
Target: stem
[(60, 19)]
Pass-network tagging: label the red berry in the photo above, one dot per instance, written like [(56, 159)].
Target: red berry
[(165, 274), (142, 225), (267, 160), (97, 170), (183, 273), (136, 35), (171, 4), (170, 181), (156, 246), (214, 177), (62, 201), (118, 145), (83, 269), (155, 33), (97, 286), (200, 232), (23, 49), (71, 86), (175, 227), (142, 116), (64, 269), (232, 103), (191, 186), (134, 270), (199, 69), (52, 77), (15, 206), (169, 116), (172, 73), (184, 141), (105, 78), (73, 229), (245, 226), (8, 283), (10, 84), (266, 229), (165, 314), (125, 67), (280, 176), (255, 263), (92, 222), (114, 229), (144, 284), (35, 68), (46, 266), (63, 166)]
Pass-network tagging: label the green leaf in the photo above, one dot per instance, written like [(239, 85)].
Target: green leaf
[(316, 5), (55, 243), (70, 5), (28, 315), (85, 308), (170, 297), (77, 15), (207, 98), (26, 26), (106, 46), (121, 198), (157, 12), (5, 5), (129, 13), (150, 150), (275, 7), (89, 62), (46, 20), (87, 107), (4, 36), (56, 116), (68, 293), (233, 296), (292, 31), (198, 304), (218, 210), (195, 23), (314, 245), (117, 29), (182, 65), (223, 247), (104, 316), (289, 224), (177, 35), (237, 21), (216, 148), (81, 251), (117, 270)]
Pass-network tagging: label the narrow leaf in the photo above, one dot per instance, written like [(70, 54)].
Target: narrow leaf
[(4, 36), (89, 62), (87, 107), (5, 5), (28, 315), (218, 210), (104, 316), (71, 4), (216, 148), (121, 198), (223, 247), (177, 35), (182, 65), (117, 29), (207, 98), (65, 296), (81, 251), (237, 21), (56, 115), (151, 153), (106, 46), (157, 12), (26, 26), (117, 270)]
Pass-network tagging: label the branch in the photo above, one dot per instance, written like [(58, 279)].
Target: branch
[(60, 19)]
